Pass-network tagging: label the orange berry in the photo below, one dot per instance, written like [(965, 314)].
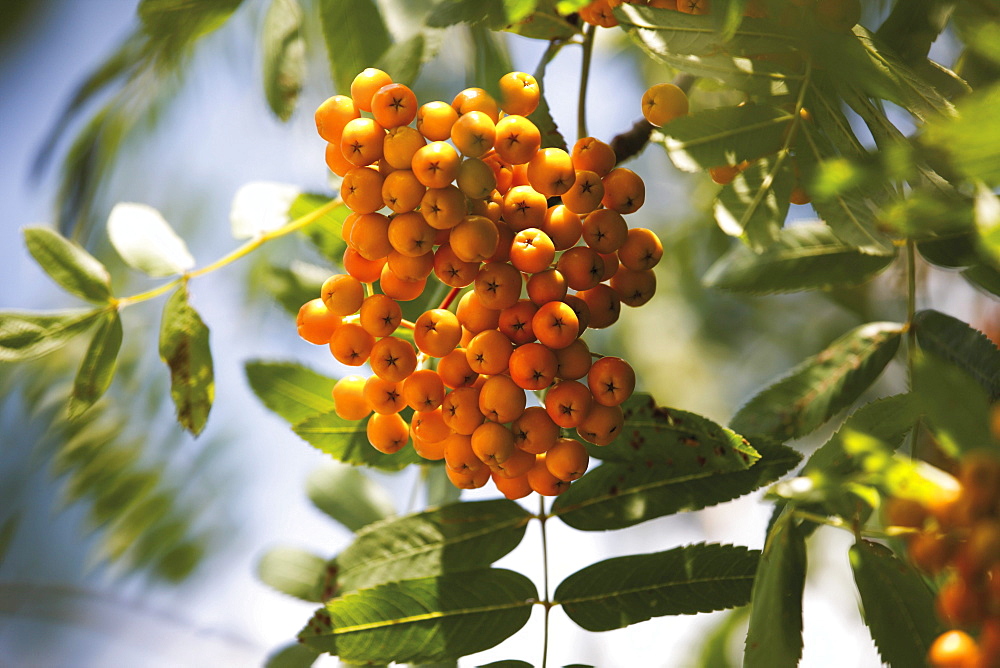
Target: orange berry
[(423, 390), (604, 304), (458, 454), (342, 294), (602, 424), (332, 115), (380, 315), (799, 196), (409, 268), (394, 105), (436, 164), (663, 103), (586, 193), (437, 332), (954, 649), (498, 285), (489, 352), (514, 487), (581, 310), (546, 286), (429, 426), (642, 249), (573, 362), (550, 172), (474, 315), (383, 396), (532, 366), (635, 288), (532, 251), (524, 207), (568, 402), (335, 159), (555, 325), (593, 155), (476, 99), (563, 226), (466, 480), (698, 7), (362, 141), (567, 459), (582, 267), (534, 431), (493, 443), (519, 93), (624, 190), (443, 208), (461, 410), (349, 400), (315, 322), (455, 370), (605, 230), (410, 235), (402, 191), (387, 433), (399, 289), (542, 481), (366, 271), (429, 451), (517, 139), (366, 84), (515, 322), (501, 400), (361, 190), (393, 359), (724, 174), (476, 181), (453, 271), (474, 239), (474, 134), (611, 381), (434, 120)]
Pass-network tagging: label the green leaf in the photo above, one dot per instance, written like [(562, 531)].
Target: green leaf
[(284, 56), (145, 241), (424, 620), (724, 136), (955, 404), (69, 264), (347, 441), (26, 335), (775, 636), (355, 36), (616, 495), (325, 233), (402, 60), (686, 440), (261, 206), (853, 218), (490, 59), (506, 663), (971, 140), (176, 24), (545, 23), (542, 115), (804, 257), (184, 348), (98, 365), (349, 496), (292, 655), (615, 593), (490, 13), (898, 605), (821, 386), (715, 650), (294, 572), (965, 347), (290, 286), (289, 389), (754, 206), (455, 538)]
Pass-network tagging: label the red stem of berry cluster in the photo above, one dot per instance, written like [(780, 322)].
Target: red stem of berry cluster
[(450, 297)]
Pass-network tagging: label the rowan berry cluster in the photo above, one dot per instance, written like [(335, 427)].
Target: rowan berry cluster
[(958, 536), (467, 193)]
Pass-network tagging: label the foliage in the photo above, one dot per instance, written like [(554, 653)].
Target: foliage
[(422, 587)]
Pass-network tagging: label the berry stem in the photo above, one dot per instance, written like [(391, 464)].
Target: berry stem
[(242, 251), (911, 307), (545, 580), (581, 109), (449, 298)]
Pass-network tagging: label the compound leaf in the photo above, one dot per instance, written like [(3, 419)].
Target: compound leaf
[(284, 56), (294, 572), (98, 365), (289, 389), (724, 136), (349, 496), (457, 537), (184, 348), (616, 495), (804, 257), (898, 605), (775, 634), (955, 404), (27, 335), (960, 344), (146, 241), (355, 35), (426, 619), (754, 206), (615, 593), (347, 441), (69, 264), (822, 385)]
